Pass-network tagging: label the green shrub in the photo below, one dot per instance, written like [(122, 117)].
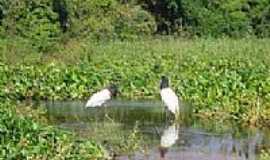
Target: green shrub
[(91, 17), (109, 19), (133, 21), (170, 14), (236, 18), (34, 20), (218, 18), (41, 22), (259, 13)]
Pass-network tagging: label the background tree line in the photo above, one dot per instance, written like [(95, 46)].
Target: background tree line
[(211, 18), (46, 21)]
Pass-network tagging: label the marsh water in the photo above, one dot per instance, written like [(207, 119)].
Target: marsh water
[(142, 130)]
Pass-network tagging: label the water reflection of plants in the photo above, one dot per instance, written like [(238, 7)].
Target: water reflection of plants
[(114, 136)]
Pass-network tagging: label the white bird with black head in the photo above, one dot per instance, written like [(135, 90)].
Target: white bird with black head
[(168, 96), (101, 97)]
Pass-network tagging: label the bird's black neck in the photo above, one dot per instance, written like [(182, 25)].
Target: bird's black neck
[(164, 83), (113, 90)]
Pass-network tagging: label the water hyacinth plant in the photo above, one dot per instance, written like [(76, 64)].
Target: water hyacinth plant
[(216, 75)]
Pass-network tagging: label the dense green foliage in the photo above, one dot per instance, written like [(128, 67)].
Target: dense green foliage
[(46, 22), (109, 19), (49, 50), (33, 20), (217, 75), (235, 18), (22, 138)]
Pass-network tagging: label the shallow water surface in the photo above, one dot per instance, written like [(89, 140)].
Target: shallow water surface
[(159, 137)]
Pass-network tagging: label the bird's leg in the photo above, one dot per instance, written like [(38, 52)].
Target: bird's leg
[(164, 111), (166, 115), (172, 117), (107, 116), (169, 116)]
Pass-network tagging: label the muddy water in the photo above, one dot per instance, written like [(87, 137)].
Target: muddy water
[(160, 137)]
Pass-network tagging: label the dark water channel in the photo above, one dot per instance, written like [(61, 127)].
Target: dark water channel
[(160, 138)]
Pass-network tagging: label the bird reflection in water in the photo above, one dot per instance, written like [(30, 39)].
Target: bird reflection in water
[(168, 138)]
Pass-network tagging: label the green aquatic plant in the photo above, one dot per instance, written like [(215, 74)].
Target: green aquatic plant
[(219, 77), (133, 141), (23, 138)]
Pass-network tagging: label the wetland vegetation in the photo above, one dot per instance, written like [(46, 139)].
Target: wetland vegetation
[(224, 79), (216, 55)]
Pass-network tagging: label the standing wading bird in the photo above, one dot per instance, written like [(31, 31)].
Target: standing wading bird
[(168, 96), (101, 97)]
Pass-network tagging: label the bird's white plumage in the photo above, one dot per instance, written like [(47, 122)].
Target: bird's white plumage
[(169, 136), (99, 98), (170, 99)]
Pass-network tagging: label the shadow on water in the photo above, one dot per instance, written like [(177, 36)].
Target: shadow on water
[(159, 138)]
